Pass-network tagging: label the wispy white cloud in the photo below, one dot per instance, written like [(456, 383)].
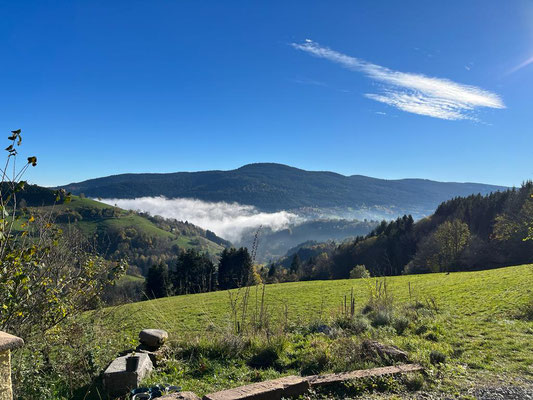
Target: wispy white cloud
[(523, 64), (414, 93), (228, 220)]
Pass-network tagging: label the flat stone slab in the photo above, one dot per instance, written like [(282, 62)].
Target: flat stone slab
[(153, 338), (329, 379), (180, 396), (289, 386), (9, 342), (118, 381)]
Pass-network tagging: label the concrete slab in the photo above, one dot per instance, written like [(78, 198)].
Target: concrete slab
[(180, 396), (118, 381), (289, 386), (329, 379)]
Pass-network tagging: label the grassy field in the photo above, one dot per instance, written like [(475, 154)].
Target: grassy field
[(472, 319)]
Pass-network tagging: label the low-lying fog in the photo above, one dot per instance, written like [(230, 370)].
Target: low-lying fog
[(227, 220)]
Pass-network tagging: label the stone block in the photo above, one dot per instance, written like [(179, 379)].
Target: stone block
[(289, 386), (153, 338), (118, 381)]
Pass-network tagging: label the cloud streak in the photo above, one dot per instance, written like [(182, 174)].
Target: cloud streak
[(414, 93), (228, 220), (521, 65)]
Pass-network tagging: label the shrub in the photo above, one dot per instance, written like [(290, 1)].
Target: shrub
[(414, 382), (358, 272), (380, 298), (421, 329), (264, 358), (400, 324), (381, 318), (267, 351), (436, 357), (353, 325), (346, 354), (432, 336), (367, 309)]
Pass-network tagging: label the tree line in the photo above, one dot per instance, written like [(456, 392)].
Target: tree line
[(195, 272), (465, 233)]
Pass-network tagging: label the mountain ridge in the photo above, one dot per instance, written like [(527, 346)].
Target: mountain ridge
[(275, 187), (289, 167)]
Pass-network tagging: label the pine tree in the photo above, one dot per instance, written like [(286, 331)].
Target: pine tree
[(157, 281)]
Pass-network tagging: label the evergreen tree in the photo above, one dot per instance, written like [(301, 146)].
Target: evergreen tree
[(235, 268), (295, 264), (157, 281), (194, 273)]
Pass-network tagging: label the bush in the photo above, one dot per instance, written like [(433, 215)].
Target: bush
[(436, 357), (381, 318), (400, 325), (345, 355), (421, 329), (266, 354), (358, 272), (354, 325), (414, 382), (432, 336), (265, 358)]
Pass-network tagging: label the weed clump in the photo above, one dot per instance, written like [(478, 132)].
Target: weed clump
[(314, 361), (414, 382), (265, 358), (267, 354), (356, 326), (381, 318), (436, 357), (401, 324), (432, 336)]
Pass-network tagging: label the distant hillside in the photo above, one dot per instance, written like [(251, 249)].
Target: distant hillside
[(274, 187), (464, 233), (143, 239), (272, 245)]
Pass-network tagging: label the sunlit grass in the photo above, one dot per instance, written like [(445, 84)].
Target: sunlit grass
[(477, 326)]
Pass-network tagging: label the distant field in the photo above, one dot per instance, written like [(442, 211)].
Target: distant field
[(476, 326)]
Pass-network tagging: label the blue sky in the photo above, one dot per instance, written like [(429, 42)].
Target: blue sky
[(440, 90)]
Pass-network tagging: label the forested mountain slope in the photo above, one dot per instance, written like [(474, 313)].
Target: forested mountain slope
[(464, 233), (273, 187)]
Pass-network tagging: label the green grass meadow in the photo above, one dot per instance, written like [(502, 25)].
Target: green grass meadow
[(477, 326)]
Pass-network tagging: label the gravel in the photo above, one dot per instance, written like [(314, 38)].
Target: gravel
[(504, 393)]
